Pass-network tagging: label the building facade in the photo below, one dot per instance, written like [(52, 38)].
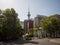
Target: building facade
[(37, 19), (28, 24)]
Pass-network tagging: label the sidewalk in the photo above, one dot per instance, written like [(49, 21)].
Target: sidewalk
[(55, 40)]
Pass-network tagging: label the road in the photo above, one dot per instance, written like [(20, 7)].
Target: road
[(41, 42), (29, 42)]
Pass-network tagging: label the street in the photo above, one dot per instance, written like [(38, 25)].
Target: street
[(30, 42), (41, 42)]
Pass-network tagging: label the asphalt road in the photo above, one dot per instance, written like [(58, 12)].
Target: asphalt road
[(41, 42), (29, 42)]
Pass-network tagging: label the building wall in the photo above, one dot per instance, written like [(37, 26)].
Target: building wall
[(28, 24), (25, 26), (37, 19)]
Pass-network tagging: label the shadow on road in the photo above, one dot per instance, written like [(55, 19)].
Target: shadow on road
[(18, 42)]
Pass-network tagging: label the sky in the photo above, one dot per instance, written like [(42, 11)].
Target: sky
[(42, 7)]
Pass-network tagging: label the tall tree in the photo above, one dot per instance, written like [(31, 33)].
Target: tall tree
[(11, 29), (50, 25)]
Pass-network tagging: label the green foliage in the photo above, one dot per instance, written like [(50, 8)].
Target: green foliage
[(50, 24), (0, 11), (10, 27), (44, 23), (32, 31)]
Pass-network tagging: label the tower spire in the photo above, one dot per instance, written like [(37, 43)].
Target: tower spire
[(28, 13)]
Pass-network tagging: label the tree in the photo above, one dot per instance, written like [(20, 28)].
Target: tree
[(0, 11), (11, 28), (50, 25), (33, 31), (19, 30)]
